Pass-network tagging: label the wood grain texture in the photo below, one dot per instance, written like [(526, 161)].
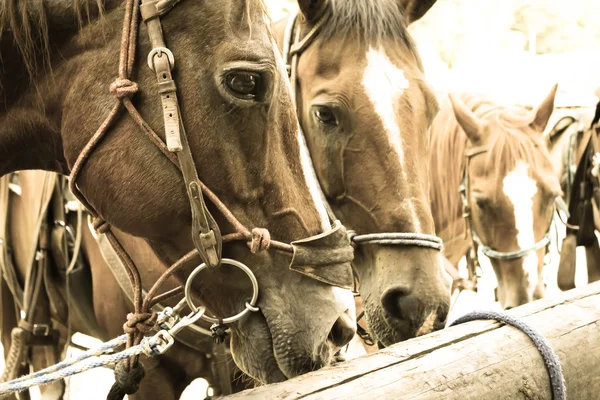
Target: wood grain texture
[(476, 360)]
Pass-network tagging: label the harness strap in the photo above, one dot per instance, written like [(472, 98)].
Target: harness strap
[(34, 341), (7, 268), (206, 234)]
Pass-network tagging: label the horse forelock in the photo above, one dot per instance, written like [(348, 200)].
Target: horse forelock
[(511, 140)]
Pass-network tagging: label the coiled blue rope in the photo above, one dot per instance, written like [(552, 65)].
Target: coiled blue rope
[(89, 360), (551, 360)]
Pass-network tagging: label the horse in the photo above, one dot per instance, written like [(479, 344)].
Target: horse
[(494, 188), (231, 88), (365, 108), (570, 141)]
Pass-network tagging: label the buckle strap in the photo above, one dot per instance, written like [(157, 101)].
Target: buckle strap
[(205, 231), (156, 9)]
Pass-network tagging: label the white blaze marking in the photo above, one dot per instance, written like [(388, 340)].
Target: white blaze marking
[(305, 160), (520, 189), (384, 84)]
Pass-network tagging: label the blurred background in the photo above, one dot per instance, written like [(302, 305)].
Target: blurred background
[(514, 49)]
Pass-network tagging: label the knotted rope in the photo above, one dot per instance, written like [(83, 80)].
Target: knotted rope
[(261, 240), (141, 322), (127, 380), (551, 360), (121, 88)]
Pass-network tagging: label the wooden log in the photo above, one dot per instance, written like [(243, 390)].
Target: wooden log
[(476, 360)]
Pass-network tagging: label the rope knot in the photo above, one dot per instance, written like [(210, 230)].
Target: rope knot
[(261, 240), (143, 322), (100, 225), (127, 380), (121, 88)]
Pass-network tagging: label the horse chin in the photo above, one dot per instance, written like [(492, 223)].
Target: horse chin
[(271, 353)]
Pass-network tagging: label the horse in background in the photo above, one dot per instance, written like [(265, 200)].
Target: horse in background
[(570, 143), (493, 187), (365, 109)]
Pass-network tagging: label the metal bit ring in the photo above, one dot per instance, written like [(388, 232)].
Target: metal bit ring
[(250, 305)]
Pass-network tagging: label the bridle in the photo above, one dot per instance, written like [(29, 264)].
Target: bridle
[(206, 235), (293, 47), (465, 191)]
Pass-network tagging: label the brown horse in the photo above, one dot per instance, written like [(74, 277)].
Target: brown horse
[(365, 109), (234, 98), (497, 156)]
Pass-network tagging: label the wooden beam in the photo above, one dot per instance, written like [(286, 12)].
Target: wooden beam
[(476, 360)]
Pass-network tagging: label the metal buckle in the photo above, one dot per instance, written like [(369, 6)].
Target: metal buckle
[(165, 338), (159, 51), (40, 330)]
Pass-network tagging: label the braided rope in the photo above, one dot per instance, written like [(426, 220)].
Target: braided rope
[(512, 255), (85, 362), (551, 360), (103, 348), (399, 238)]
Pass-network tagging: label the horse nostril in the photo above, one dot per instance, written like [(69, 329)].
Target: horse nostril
[(391, 300), (343, 330)]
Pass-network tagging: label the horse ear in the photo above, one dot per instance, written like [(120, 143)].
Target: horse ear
[(312, 9), (415, 9), (467, 119), (544, 111)]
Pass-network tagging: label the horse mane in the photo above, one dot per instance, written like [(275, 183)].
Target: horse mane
[(371, 21), (26, 26), (512, 139)]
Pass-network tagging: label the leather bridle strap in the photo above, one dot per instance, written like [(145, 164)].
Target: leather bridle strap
[(205, 231)]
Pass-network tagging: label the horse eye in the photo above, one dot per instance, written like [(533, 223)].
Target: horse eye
[(243, 84), (325, 115)]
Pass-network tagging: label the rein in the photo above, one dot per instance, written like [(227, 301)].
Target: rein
[(206, 235), (293, 47)]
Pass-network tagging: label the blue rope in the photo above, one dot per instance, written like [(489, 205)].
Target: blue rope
[(103, 348), (82, 363), (553, 366)]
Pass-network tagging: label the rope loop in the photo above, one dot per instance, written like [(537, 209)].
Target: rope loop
[(121, 88), (261, 240), (142, 322)]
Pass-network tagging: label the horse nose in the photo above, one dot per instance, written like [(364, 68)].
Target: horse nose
[(392, 300), (343, 330)]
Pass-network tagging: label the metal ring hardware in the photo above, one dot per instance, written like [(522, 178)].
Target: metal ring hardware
[(159, 51), (250, 305)]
